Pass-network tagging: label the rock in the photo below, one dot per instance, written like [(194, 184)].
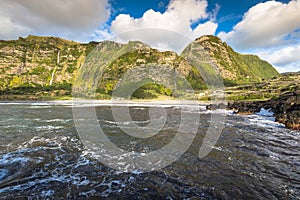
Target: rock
[(248, 107), (216, 106), (222, 106), (211, 107), (293, 120), (286, 108)]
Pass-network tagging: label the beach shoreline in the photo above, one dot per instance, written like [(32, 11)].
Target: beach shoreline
[(141, 102)]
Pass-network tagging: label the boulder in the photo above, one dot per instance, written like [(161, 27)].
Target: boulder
[(216, 106), (248, 107), (287, 110)]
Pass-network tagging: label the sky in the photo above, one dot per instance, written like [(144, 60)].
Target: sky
[(269, 29)]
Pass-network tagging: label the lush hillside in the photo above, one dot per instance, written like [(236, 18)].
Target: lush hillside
[(153, 70), (44, 67), (234, 68)]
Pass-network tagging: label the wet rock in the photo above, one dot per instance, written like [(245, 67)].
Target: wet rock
[(286, 108), (216, 106), (248, 107)]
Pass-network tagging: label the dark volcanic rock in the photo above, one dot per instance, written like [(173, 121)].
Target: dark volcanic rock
[(286, 108), (248, 107), (216, 106)]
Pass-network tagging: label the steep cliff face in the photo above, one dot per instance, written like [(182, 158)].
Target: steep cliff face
[(39, 61), (127, 65), (40, 65), (233, 67)]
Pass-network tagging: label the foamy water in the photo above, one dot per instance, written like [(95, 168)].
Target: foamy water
[(42, 156)]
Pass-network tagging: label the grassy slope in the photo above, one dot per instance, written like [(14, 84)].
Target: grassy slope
[(38, 56), (247, 68)]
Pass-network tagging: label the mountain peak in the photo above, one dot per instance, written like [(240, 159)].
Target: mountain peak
[(208, 38), (48, 39), (233, 67)]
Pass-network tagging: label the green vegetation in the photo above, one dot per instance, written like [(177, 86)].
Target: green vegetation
[(38, 70), (46, 67), (148, 90), (268, 89), (38, 92), (235, 68)]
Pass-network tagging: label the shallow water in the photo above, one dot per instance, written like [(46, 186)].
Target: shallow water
[(42, 156)]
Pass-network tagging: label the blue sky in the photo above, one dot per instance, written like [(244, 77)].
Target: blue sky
[(229, 14), (269, 29)]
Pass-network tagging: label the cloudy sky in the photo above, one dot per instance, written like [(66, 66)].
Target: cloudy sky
[(270, 29)]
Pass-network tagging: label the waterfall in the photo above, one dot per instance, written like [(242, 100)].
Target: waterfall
[(57, 62)]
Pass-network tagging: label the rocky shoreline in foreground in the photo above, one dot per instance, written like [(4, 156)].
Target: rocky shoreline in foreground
[(286, 108)]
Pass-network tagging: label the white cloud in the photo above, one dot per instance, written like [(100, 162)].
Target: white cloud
[(265, 25), (171, 29), (271, 29), (290, 67), (72, 19), (282, 56), (284, 59), (11, 30), (206, 28)]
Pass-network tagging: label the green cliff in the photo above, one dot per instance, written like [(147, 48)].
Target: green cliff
[(234, 68), (44, 67)]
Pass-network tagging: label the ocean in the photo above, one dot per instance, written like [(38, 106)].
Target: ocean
[(42, 155)]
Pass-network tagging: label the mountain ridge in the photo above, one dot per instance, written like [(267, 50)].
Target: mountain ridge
[(48, 65)]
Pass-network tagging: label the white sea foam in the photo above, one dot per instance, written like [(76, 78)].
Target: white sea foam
[(219, 111), (11, 158), (264, 118), (57, 120), (3, 173), (47, 193), (37, 103), (265, 112), (48, 127)]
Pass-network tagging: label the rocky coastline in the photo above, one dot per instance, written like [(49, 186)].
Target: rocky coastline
[(286, 108)]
